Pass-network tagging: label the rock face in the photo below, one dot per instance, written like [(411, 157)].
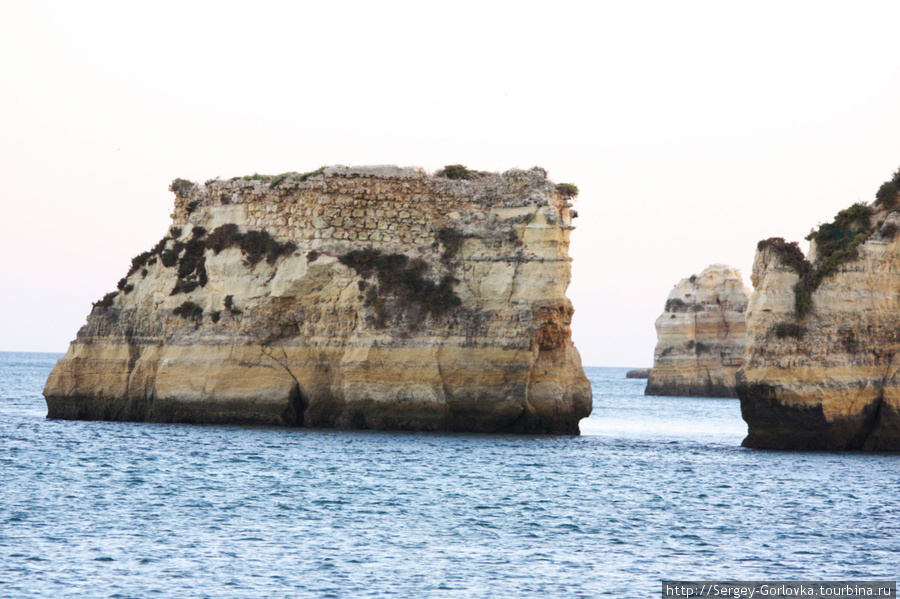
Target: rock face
[(823, 345), (701, 336), (367, 297), (638, 373)]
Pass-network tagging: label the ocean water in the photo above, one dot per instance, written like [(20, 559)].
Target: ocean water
[(655, 488)]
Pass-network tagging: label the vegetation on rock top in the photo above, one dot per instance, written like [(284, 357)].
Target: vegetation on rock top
[(107, 300), (460, 172), (837, 242), (886, 195), (567, 190), (181, 187)]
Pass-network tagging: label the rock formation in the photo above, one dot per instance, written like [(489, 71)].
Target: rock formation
[(701, 336), (823, 345), (638, 373), (369, 297)]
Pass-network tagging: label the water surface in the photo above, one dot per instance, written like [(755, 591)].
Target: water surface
[(655, 488)]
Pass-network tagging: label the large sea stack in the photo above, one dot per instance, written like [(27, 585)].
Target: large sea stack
[(367, 298), (700, 335), (823, 344)]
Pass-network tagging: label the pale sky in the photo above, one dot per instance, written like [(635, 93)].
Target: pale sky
[(693, 129)]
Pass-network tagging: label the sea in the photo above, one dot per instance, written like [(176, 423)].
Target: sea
[(655, 488)]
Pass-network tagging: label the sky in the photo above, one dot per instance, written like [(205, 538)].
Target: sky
[(692, 129)]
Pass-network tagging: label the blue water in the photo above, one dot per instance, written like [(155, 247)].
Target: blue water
[(655, 488)]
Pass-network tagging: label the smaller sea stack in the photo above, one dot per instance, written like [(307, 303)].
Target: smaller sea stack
[(700, 335)]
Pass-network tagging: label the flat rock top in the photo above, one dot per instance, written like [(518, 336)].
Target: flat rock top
[(377, 170)]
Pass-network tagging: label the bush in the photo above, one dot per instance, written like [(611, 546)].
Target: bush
[(259, 244), (790, 253), (181, 187), (160, 246), (451, 239), (803, 297), (838, 241), (278, 179), (792, 257), (889, 231), (139, 261), (223, 237), (107, 300), (305, 176), (183, 286), (676, 305), (457, 171), (256, 245), (191, 264), (567, 190), (402, 279), (788, 329), (256, 177), (887, 194), (169, 258), (192, 205), (229, 305), (189, 310)]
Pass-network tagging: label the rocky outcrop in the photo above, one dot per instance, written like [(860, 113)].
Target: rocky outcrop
[(638, 373), (701, 336), (823, 344), (349, 297)]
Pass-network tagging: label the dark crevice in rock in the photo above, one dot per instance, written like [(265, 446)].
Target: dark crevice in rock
[(866, 439), (295, 413)]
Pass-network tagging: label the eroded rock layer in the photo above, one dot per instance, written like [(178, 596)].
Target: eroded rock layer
[(822, 364), (372, 297), (700, 336)]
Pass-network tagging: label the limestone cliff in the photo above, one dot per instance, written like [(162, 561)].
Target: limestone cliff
[(701, 336), (823, 345), (368, 297)]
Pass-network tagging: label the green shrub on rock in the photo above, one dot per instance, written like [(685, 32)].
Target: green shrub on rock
[(181, 187), (107, 300), (190, 311), (457, 171), (887, 194), (567, 190), (402, 279), (788, 329)]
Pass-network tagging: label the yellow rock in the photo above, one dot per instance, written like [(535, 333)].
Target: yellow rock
[(701, 336), (832, 383), (457, 321)]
